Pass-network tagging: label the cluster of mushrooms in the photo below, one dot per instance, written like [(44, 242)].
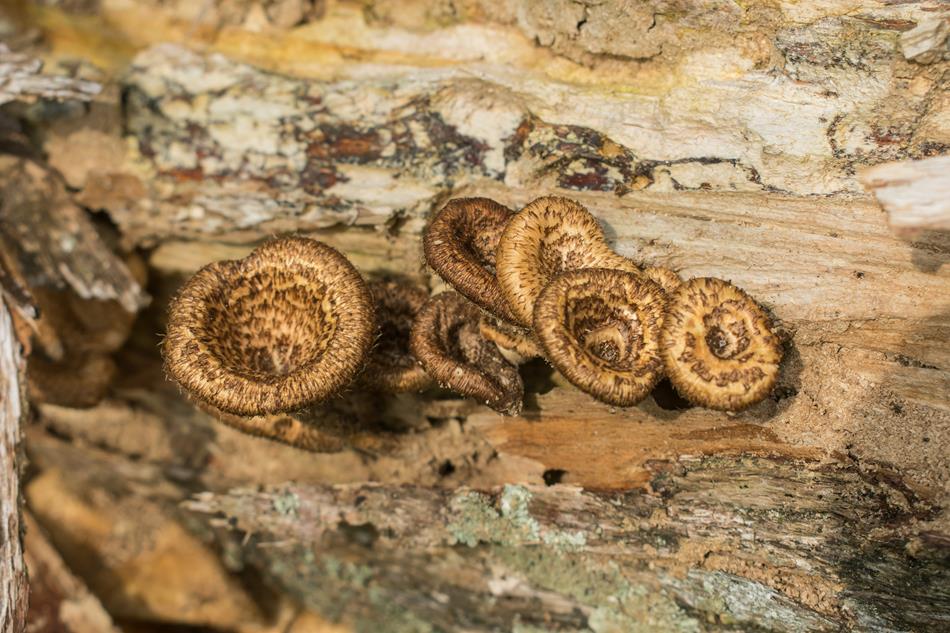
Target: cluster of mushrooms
[(294, 324)]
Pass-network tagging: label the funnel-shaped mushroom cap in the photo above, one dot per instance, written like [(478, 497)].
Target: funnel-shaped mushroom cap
[(287, 326), (718, 346), (601, 329), (460, 244), (447, 341), (391, 366), (549, 236)]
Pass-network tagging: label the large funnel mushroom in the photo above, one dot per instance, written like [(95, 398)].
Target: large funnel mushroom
[(287, 326), (391, 366), (601, 329), (447, 341), (460, 244), (549, 236), (718, 346)]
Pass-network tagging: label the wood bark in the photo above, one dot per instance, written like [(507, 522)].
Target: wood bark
[(13, 580)]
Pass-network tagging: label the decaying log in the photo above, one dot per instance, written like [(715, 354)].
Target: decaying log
[(721, 544), (726, 142), (13, 579)]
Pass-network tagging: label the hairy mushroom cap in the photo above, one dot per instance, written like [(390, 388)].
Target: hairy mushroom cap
[(391, 366), (460, 244), (550, 236), (287, 326), (718, 346), (601, 329), (446, 340), (665, 278), (510, 338)]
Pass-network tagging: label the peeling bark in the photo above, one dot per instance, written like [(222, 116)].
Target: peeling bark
[(21, 80), (13, 580), (915, 194)]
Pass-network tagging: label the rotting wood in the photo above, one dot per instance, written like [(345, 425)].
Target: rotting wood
[(680, 130), (54, 243), (14, 591), (722, 544)]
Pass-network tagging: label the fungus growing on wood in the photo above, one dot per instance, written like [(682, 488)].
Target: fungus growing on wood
[(460, 244), (287, 326), (391, 366), (601, 329), (718, 346), (447, 341), (665, 278), (549, 236), (515, 342)]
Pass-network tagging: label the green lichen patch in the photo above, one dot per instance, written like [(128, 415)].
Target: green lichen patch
[(475, 519)]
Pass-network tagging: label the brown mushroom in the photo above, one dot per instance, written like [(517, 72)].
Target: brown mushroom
[(460, 244), (718, 346), (601, 329), (550, 236), (446, 340), (287, 326), (391, 366), (515, 342), (665, 278)]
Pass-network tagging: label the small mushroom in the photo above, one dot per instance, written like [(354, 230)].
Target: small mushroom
[(665, 278), (391, 366), (287, 326), (550, 236), (446, 340), (516, 343), (718, 346), (460, 244), (601, 329)]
